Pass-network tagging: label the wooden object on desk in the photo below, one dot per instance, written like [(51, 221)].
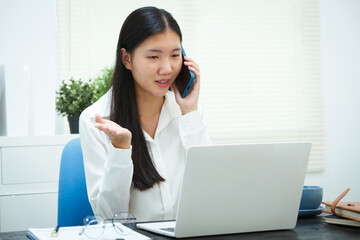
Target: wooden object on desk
[(342, 221), (350, 210)]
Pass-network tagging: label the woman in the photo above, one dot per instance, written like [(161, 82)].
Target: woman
[(134, 138)]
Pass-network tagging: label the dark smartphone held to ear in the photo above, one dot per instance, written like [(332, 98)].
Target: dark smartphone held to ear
[(185, 79)]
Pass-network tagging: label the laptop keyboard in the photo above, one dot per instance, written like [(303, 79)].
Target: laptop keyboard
[(170, 229)]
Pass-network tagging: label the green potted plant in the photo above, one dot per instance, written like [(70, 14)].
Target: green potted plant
[(72, 98), (103, 82)]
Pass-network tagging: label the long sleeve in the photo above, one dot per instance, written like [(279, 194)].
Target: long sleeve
[(108, 170), (193, 130)]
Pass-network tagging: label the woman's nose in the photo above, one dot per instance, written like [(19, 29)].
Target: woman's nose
[(165, 68)]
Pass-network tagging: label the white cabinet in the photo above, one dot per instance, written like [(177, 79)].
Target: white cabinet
[(29, 173), (20, 212)]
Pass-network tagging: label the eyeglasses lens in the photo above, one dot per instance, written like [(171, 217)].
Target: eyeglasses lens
[(93, 227), (124, 219)]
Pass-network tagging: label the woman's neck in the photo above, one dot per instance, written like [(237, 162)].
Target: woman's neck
[(149, 112)]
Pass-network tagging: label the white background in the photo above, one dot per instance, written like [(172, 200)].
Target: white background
[(340, 46), (23, 41), (28, 50)]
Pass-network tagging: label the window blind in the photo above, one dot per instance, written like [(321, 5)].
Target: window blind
[(259, 61)]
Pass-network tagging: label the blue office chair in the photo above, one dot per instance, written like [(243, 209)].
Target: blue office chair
[(73, 203)]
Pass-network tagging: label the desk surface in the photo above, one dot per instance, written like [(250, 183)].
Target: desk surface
[(306, 228)]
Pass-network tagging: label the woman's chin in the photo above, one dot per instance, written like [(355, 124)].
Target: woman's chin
[(162, 92)]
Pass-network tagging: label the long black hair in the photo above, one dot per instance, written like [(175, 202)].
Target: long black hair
[(138, 26)]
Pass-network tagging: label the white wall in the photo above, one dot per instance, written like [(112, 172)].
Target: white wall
[(28, 60), (340, 46), (28, 36)]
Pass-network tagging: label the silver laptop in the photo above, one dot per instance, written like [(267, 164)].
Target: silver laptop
[(238, 188)]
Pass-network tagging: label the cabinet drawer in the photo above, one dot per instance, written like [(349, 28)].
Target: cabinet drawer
[(18, 213), (30, 164)]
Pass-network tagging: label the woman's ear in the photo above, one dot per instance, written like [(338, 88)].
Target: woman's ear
[(126, 58)]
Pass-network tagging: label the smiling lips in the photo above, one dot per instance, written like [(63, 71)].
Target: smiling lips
[(163, 83)]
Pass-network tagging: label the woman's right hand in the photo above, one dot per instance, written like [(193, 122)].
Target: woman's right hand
[(190, 102), (120, 137)]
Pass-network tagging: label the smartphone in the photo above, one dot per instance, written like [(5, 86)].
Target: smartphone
[(185, 79)]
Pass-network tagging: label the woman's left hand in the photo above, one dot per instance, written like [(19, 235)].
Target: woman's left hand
[(190, 102)]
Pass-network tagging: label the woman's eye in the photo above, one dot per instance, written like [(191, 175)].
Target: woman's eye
[(153, 57), (176, 55)]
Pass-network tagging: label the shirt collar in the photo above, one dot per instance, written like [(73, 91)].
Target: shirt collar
[(169, 111)]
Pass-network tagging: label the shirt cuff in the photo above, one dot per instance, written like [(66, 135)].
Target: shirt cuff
[(119, 157), (191, 122)]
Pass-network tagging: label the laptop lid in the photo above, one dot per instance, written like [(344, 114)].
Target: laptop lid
[(241, 188)]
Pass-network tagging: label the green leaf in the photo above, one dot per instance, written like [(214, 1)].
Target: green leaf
[(74, 96)]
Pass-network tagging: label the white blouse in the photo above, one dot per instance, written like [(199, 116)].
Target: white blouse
[(109, 170)]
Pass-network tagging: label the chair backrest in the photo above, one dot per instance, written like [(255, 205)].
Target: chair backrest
[(73, 203)]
